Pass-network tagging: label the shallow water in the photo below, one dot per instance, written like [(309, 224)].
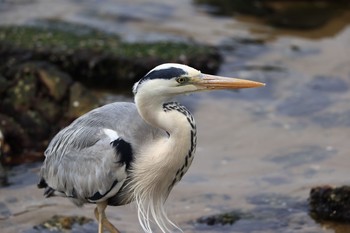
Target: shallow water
[(259, 151)]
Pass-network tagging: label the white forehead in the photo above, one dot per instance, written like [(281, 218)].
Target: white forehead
[(186, 68)]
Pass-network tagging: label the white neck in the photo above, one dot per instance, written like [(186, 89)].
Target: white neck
[(178, 122), (161, 164)]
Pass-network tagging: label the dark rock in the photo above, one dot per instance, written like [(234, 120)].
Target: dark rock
[(15, 137), (98, 59), (221, 219), (18, 146), (60, 223), (4, 84), (329, 203), (81, 100), (35, 107), (49, 110), (225, 7), (301, 14), (22, 93), (56, 82), (34, 124), (3, 174)]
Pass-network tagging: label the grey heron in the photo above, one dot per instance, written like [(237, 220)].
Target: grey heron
[(124, 152)]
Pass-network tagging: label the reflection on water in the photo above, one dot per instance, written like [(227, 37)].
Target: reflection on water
[(259, 151)]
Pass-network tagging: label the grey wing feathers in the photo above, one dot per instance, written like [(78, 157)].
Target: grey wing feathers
[(83, 163)]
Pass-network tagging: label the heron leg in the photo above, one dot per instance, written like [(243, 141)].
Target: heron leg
[(102, 219)]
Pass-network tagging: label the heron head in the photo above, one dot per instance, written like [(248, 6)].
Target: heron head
[(173, 79)]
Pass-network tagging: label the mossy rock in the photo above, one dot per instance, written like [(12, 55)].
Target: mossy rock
[(303, 14), (59, 223), (330, 203), (228, 218), (36, 105), (98, 59)]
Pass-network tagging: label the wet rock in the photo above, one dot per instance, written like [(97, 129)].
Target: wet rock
[(302, 14), (98, 59), (329, 203), (34, 123), (4, 84), (22, 93), (221, 219), (80, 101), (59, 223), (15, 137), (224, 7), (48, 110), (3, 174), (56, 82), (35, 107), (18, 146)]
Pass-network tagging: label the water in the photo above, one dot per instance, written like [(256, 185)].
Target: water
[(259, 151)]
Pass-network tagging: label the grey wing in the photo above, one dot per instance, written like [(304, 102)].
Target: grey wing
[(88, 161)]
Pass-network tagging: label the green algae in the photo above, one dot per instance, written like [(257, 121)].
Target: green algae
[(38, 38)]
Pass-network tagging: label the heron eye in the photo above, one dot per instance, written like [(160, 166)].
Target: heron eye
[(181, 80)]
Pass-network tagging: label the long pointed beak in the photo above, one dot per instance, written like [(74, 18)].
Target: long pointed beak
[(207, 81)]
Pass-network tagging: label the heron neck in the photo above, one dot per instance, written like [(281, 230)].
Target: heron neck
[(153, 111), (175, 153)]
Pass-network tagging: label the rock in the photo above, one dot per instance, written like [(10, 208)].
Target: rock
[(301, 14), (15, 137), (23, 92), (329, 203), (59, 223), (3, 175), (36, 106), (98, 59), (49, 110), (221, 219), (4, 84), (80, 101), (55, 81)]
